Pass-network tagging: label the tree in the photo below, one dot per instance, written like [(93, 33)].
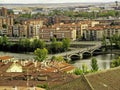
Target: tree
[(56, 47), (111, 43), (1, 40), (115, 63), (38, 44), (84, 68), (66, 44), (4, 40), (59, 58), (94, 65), (41, 54), (104, 43), (78, 71), (24, 44)]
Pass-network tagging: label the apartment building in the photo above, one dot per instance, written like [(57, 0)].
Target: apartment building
[(3, 12), (93, 33), (33, 26), (16, 30), (59, 33), (10, 31), (111, 30), (23, 31)]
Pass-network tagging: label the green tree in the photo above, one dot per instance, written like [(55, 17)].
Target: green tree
[(111, 43), (78, 71), (56, 46), (41, 54), (4, 40), (37, 43), (94, 65), (24, 44), (66, 44), (53, 58), (1, 40), (84, 68), (59, 58), (115, 63), (104, 42)]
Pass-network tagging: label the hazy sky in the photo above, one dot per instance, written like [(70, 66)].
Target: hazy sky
[(52, 1)]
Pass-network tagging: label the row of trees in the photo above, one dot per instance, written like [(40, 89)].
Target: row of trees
[(73, 14), (84, 70), (27, 45), (113, 41), (59, 46), (93, 14)]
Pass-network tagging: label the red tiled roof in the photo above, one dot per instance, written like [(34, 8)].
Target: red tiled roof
[(5, 57)]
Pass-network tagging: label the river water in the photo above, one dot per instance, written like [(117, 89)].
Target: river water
[(102, 60)]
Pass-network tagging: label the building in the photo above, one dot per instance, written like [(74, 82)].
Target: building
[(102, 80), (59, 33), (15, 67), (16, 30), (23, 31), (93, 33), (3, 12), (10, 31), (33, 26), (111, 30)]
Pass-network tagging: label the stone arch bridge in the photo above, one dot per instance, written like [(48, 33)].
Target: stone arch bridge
[(80, 52)]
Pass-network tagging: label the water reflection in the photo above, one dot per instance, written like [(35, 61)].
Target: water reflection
[(103, 61)]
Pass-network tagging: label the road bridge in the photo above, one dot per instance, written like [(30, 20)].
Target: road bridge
[(79, 51)]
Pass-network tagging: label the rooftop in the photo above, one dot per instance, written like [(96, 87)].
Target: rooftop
[(102, 80)]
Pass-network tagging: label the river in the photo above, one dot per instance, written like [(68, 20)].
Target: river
[(103, 60)]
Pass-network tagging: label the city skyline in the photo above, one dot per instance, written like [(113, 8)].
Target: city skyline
[(54, 1)]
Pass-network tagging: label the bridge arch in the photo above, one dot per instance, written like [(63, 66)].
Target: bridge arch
[(75, 57), (87, 54), (97, 52)]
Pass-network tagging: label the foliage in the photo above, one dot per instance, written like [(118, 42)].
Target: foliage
[(104, 43), (59, 58), (41, 54), (24, 44), (26, 15), (78, 71), (66, 44), (4, 40), (53, 58), (115, 63), (94, 65), (84, 68), (59, 46), (36, 43), (43, 86)]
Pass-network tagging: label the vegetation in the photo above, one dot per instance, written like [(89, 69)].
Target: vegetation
[(94, 65), (57, 58), (59, 46), (83, 70), (111, 42), (115, 63), (41, 54), (90, 15), (45, 86)]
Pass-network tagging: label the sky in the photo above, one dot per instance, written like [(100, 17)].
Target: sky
[(53, 1)]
